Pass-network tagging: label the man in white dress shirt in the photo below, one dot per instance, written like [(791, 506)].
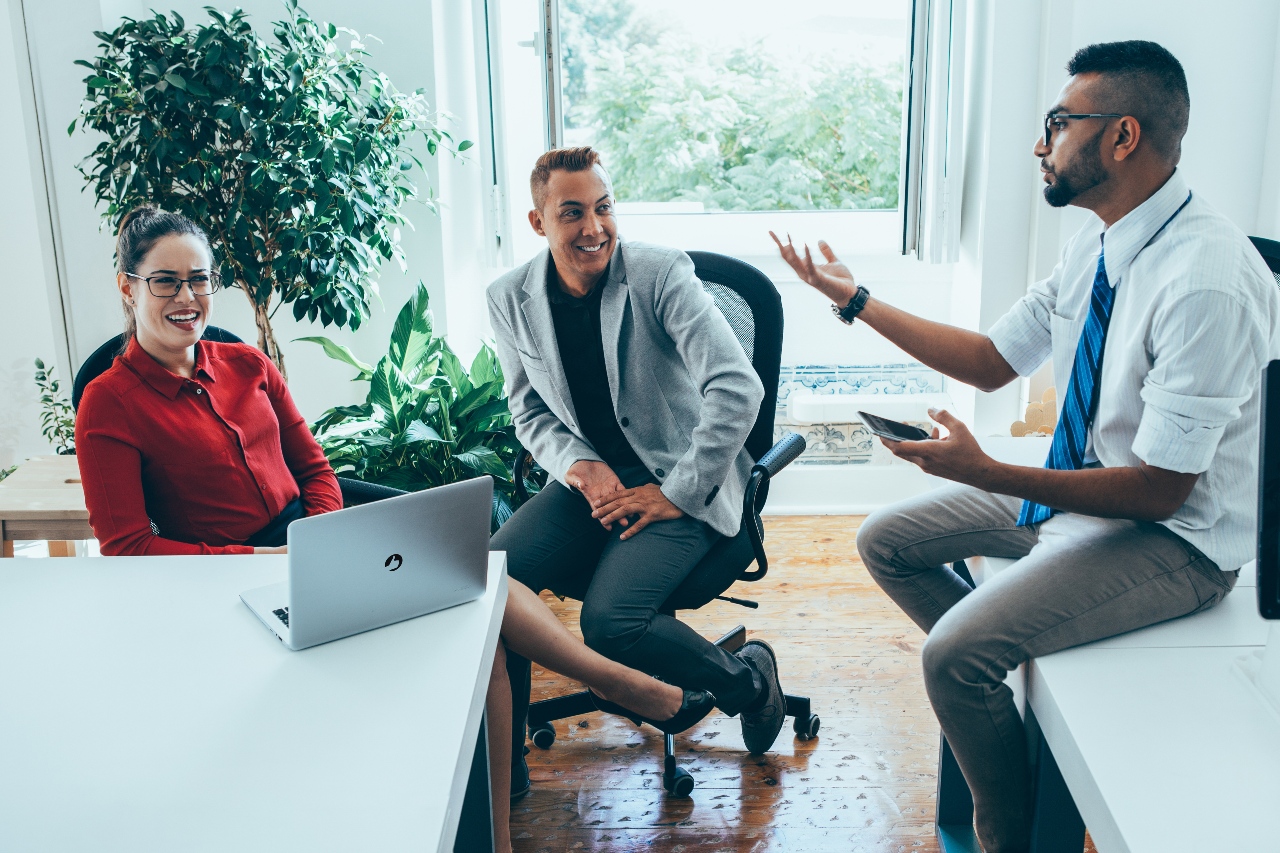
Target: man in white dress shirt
[(1159, 320)]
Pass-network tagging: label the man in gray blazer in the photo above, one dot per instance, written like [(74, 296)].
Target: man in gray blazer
[(628, 386)]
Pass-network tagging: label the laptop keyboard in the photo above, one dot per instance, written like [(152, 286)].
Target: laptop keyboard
[(283, 615)]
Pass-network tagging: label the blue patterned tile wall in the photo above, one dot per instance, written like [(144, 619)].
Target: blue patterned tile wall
[(846, 443)]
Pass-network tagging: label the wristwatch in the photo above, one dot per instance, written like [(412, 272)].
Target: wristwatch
[(855, 306)]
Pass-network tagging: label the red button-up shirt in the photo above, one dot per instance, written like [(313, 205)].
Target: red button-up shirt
[(209, 460)]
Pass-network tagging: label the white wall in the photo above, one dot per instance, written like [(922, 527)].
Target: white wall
[(1228, 49), (25, 329)]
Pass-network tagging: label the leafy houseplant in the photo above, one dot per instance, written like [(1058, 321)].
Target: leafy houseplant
[(294, 154), (427, 421), (57, 418)]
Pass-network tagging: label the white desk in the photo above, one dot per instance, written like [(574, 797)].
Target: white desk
[(1163, 749), (1160, 742), (143, 707)]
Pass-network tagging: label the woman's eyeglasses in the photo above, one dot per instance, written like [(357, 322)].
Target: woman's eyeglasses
[(164, 286)]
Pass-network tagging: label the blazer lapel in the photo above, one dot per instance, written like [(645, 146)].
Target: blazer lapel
[(542, 327), (613, 305)]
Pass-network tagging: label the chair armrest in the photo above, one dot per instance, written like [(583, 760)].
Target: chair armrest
[(782, 454), (357, 492), (519, 470)]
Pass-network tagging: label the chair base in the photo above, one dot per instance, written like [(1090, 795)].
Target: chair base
[(677, 781)]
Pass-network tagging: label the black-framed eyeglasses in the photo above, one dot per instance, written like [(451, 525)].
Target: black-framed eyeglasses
[(1050, 118), (164, 286)]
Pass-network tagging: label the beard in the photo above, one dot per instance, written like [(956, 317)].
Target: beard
[(1078, 175)]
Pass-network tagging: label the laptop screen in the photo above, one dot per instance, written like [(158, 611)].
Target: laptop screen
[(1269, 496)]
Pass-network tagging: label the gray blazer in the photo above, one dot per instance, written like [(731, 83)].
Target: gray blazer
[(679, 378)]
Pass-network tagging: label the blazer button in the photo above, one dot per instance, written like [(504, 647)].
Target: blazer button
[(660, 473), (625, 422)]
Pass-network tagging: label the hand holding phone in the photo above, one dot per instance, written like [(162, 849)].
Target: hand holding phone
[(892, 430)]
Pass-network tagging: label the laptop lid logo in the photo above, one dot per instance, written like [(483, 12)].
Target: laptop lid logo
[(397, 559)]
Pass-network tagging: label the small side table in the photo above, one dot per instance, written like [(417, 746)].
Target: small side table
[(43, 499)]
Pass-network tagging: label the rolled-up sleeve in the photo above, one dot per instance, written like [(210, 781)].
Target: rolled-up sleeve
[(1023, 336), (1209, 354)]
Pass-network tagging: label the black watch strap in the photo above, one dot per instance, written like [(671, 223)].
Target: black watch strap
[(849, 312)]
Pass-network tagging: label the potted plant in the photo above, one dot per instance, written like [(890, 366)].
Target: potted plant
[(293, 153), (427, 420)]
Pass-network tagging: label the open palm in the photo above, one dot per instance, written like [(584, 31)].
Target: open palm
[(832, 279)]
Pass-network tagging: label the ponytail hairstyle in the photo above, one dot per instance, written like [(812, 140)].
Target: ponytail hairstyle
[(140, 230)]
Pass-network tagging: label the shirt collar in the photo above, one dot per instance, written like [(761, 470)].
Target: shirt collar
[(155, 375), (1125, 239), (615, 273)]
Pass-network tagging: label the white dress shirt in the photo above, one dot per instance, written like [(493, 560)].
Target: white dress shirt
[(1194, 324)]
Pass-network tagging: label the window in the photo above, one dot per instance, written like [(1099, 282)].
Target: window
[(717, 119)]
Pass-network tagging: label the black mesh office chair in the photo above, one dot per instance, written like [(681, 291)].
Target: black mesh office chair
[(354, 492), (1270, 251), (751, 304)]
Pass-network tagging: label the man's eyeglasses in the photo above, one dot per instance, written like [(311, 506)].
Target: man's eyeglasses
[(1051, 119), (164, 286)]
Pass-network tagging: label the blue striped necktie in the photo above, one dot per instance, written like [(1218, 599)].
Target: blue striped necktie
[(1081, 402)]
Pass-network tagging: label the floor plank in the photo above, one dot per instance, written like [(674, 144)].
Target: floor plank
[(867, 783)]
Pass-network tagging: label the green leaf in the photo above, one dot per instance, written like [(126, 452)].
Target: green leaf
[(483, 460), (485, 366), (464, 145), (412, 335), (175, 80), (419, 431), (341, 353)]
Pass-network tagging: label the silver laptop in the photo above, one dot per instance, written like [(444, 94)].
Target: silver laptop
[(383, 562)]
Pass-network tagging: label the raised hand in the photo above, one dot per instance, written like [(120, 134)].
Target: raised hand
[(832, 279)]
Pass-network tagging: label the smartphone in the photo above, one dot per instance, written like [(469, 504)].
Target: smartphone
[(892, 430)]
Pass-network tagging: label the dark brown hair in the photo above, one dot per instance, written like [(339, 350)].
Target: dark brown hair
[(140, 230), (566, 159)]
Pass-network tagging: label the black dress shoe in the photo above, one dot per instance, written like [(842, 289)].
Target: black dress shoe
[(761, 725), (696, 705), (520, 782)]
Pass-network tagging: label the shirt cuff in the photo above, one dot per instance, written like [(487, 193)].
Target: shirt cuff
[(1021, 341)]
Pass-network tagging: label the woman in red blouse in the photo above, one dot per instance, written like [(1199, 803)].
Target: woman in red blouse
[(203, 441), (199, 439)]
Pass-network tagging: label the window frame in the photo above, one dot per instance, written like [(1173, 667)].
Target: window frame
[(924, 225)]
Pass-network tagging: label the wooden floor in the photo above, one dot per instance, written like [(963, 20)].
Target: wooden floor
[(867, 783)]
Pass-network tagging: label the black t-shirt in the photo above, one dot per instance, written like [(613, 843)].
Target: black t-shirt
[(581, 347)]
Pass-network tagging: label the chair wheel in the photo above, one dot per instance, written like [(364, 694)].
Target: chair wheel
[(679, 783), (807, 729), (543, 735)]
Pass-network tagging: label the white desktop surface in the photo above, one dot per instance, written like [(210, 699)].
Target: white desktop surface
[(1165, 750), (144, 707)]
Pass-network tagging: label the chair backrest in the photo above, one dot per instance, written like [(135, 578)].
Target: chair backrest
[(751, 304), (1270, 251), (101, 358)]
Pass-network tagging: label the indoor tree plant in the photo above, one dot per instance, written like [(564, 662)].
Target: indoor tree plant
[(427, 420), (293, 153)]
